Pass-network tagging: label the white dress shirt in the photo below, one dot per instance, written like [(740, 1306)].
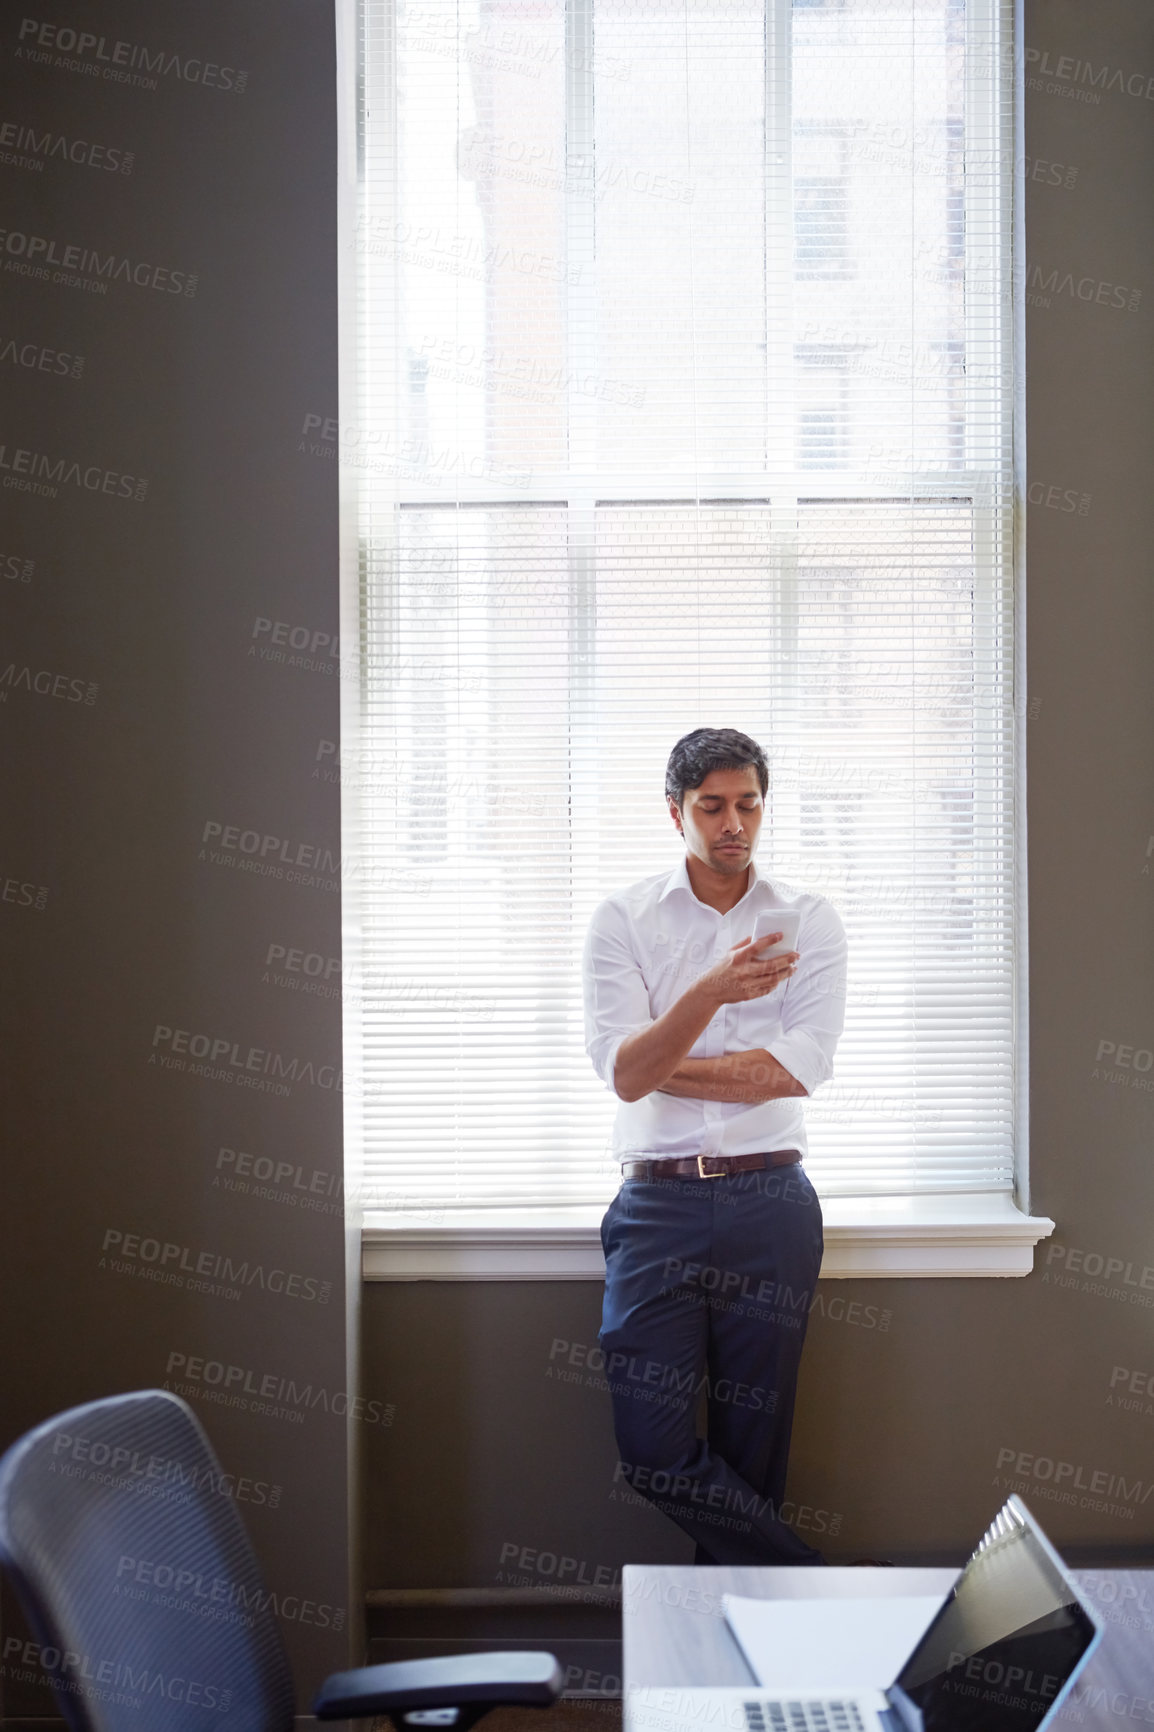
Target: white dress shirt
[(646, 945)]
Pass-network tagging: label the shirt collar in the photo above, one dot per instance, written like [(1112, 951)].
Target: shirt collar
[(679, 880)]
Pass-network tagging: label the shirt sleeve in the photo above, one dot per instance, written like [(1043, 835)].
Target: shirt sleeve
[(813, 1010), (616, 996)]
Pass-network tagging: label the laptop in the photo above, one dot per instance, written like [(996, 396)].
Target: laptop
[(999, 1654)]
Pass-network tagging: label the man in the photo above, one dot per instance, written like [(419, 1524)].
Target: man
[(714, 1241)]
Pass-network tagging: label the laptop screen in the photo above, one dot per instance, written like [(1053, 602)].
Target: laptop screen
[(1004, 1644)]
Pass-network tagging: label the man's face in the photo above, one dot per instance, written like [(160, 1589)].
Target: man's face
[(720, 819)]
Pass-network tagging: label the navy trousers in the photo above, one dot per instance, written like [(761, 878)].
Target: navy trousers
[(708, 1285)]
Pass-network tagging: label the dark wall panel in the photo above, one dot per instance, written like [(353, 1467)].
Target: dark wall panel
[(173, 1151)]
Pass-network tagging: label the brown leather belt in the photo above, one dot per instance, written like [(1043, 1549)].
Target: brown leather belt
[(708, 1166)]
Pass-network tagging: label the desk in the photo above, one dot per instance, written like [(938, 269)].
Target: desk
[(674, 1631)]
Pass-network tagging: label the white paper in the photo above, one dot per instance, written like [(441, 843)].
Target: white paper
[(842, 1644)]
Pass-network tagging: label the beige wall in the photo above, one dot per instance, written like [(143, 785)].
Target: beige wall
[(154, 719), (901, 1429)]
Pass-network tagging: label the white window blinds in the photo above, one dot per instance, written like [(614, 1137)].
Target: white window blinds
[(686, 400)]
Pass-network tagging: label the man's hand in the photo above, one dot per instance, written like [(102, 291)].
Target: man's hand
[(751, 1078), (743, 974)]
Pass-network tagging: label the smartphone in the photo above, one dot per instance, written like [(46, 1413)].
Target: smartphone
[(783, 920)]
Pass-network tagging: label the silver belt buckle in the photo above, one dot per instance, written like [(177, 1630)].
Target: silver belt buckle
[(701, 1172)]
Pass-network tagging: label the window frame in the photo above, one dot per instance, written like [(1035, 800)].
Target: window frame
[(944, 1235)]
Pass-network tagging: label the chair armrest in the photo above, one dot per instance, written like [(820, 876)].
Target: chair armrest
[(530, 1679)]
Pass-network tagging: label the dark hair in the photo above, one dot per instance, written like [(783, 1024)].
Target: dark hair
[(706, 749)]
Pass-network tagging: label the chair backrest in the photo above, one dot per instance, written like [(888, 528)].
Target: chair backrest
[(137, 1576)]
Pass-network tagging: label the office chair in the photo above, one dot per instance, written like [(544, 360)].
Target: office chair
[(139, 1583)]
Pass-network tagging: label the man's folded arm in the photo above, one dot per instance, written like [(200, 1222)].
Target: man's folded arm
[(636, 1054), (616, 997), (747, 1077), (799, 1056), (632, 1051)]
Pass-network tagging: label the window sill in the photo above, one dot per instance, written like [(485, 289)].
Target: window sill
[(962, 1234)]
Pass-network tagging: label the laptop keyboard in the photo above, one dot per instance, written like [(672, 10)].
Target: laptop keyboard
[(831, 1716)]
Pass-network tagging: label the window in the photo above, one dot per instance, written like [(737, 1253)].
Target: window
[(686, 383), (821, 375), (821, 202)]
